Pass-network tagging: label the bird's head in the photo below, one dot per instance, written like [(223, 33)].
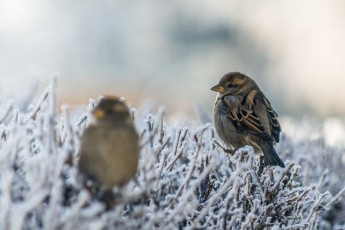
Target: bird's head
[(234, 83), (111, 108)]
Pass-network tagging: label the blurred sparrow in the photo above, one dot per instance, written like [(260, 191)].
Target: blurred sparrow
[(243, 116), (109, 148)]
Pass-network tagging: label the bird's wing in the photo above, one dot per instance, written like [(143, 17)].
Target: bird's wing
[(90, 148), (254, 114), (273, 120)]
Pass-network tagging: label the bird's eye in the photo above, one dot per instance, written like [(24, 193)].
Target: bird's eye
[(230, 85)]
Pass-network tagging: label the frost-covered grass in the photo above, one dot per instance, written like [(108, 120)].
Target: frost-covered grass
[(185, 179)]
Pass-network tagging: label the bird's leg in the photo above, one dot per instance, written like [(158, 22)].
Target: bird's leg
[(230, 150), (119, 193), (261, 165), (89, 185), (108, 198)]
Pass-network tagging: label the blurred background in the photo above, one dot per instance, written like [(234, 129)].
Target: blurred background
[(173, 52)]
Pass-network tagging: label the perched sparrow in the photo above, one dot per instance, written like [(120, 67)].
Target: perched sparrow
[(243, 116), (109, 148)]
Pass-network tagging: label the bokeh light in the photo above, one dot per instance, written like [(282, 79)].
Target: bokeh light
[(173, 52)]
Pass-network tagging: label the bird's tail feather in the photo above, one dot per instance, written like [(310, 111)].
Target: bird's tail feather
[(272, 158)]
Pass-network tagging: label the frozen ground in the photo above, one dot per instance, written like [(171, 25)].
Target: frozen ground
[(185, 179)]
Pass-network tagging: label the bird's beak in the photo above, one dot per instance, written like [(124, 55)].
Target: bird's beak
[(218, 88), (98, 113)]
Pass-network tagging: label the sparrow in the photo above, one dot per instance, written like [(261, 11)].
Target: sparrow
[(109, 147), (242, 116)]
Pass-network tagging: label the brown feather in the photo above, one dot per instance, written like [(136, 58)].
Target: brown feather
[(273, 118), (244, 116), (241, 109)]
